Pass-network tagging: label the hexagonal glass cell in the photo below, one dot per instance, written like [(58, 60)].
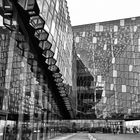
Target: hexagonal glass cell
[(7, 7), (45, 45), (58, 80), (53, 68), (48, 54), (50, 61), (57, 75), (32, 7), (41, 34), (63, 95), (62, 91), (8, 23), (37, 22), (61, 88), (60, 84)]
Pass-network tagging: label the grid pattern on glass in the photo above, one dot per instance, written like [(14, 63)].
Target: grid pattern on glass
[(111, 49), (24, 81), (55, 14)]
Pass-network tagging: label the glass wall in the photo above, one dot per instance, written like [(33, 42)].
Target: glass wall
[(28, 106), (110, 51), (23, 93), (58, 25)]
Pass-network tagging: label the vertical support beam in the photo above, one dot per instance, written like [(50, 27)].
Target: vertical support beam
[(94, 74), (114, 79), (8, 77), (8, 71), (23, 90)]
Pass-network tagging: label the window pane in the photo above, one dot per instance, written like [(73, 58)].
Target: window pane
[(40, 3), (45, 10), (49, 20)]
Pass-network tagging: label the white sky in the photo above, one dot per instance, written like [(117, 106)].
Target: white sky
[(92, 11)]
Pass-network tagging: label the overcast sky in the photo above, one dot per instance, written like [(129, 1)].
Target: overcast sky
[(92, 11)]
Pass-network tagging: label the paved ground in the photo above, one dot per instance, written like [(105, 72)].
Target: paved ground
[(84, 136), (79, 136), (116, 137), (76, 136)]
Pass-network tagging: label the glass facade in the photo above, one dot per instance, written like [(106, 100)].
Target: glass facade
[(55, 14), (51, 72), (110, 51), (85, 92), (35, 57)]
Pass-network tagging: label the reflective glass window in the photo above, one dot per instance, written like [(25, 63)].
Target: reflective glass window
[(49, 20), (40, 4), (45, 10)]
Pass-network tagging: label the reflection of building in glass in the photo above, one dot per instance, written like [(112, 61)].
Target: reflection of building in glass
[(35, 67), (111, 50), (85, 91), (46, 76)]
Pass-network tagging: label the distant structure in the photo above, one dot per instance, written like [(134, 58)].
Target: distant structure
[(110, 51)]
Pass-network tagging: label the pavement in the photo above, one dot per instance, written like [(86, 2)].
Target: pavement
[(63, 136), (79, 136), (116, 136), (97, 136), (73, 136)]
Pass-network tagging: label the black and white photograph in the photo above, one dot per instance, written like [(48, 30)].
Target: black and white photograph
[(69, 69)]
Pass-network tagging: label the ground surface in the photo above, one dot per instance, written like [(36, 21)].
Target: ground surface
[(116, 137), (84, 136)]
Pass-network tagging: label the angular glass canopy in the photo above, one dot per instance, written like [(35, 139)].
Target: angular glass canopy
[(67, 105), (50, 61), (37, 22), (62, 92), (63, 95), (58, 80), (41, 34), (9, 23), (61, 88), (57, 75), (48, 53), (60, 84), (8, 8), (66, 102), (45, 45), (53, 68), (31, 6), (8, 17)]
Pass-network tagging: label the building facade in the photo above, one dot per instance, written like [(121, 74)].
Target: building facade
[(86, 94), (35, 68), (110, 51)]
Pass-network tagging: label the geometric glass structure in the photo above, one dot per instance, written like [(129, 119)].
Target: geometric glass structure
[(45, 45), (48, 54), (50, 61), (53, 68), (37, 22), (8, 20), (41, 34), (30, 6), (57, 75), (58, 80)]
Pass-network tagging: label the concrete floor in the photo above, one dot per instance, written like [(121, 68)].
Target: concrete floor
[(98, 136)]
